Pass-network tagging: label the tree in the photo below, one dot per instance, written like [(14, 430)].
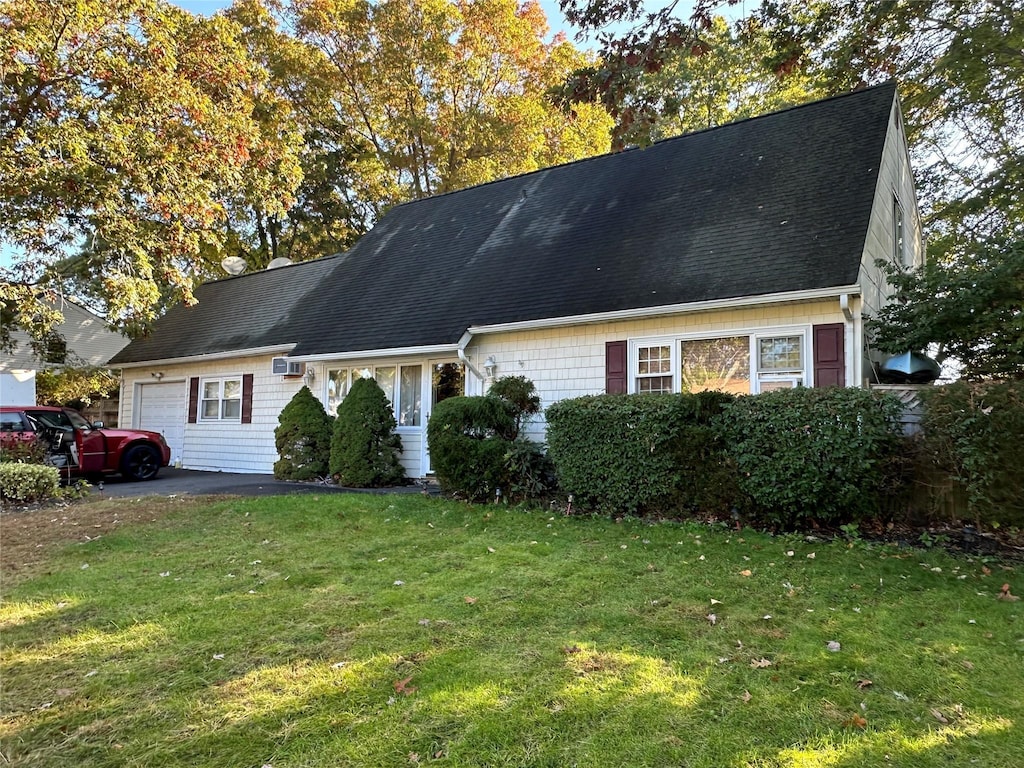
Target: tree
[(302, 438), (76, 383), (364, 446), (128, 130), (972, 309)]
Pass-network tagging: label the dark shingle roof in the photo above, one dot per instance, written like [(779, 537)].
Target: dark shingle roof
[(768, 205)]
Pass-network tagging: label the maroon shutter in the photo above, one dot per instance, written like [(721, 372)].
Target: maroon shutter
[(829, 355), (615, 367), (193, 400), (247, 398)]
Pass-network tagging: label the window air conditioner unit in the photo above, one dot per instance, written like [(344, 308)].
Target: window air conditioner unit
[(282, 366)]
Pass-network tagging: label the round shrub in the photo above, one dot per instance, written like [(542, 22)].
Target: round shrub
[(364, 447), (467, 447), (28, 482), (519, 395), (811, 454), (303, 439)]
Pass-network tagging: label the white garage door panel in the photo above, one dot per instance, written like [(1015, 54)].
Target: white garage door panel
[(162, 409)]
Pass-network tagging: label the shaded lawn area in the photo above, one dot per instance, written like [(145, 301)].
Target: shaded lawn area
[(350, 630)]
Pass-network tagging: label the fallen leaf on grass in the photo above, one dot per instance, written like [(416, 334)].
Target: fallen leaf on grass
[(746, 572), (713, 619), (857, 721), (939, 716), (403, 687), (218, 656), (570, 650), (967, 665), (760, 663), (834, 647), (900, 696), (746, 696), (986, 570), (491, 550), (1004, 594), (715, 602), (469, 600), (864, 683)]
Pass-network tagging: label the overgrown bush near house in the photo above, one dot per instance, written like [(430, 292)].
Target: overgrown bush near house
[(520, 397), (303, 439), (974, 434), (475, 448), (28, 482), (364, 446), (806, 455), (24, 451), (467, 445), (640, 454)]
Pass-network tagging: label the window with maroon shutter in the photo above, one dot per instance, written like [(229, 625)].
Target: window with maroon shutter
[(615, 367), (193, 400), (830, 355)]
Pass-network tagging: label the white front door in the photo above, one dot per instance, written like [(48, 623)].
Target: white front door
[(447, 379), (161, 408)]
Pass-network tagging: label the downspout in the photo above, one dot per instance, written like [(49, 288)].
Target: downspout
[(853, 346), (463, 343)]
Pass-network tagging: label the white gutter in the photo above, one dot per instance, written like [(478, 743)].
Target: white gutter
[(252, 352), (844, 304), (463, 343), (668, 309), (433, 349)]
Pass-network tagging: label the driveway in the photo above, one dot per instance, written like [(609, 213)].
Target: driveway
[(174, 482)]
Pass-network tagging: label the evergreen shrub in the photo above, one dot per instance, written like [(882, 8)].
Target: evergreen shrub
[(28, 482), (641, 454), (365, 448), (973, 433), (303, 439), (467, 443), (806, 455)]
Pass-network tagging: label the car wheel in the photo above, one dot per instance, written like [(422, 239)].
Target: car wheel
[(141, 463)]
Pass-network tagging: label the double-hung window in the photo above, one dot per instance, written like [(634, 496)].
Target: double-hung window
[(654, 368), (221, 399)]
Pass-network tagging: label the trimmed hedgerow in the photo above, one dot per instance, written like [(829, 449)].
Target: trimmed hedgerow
[(467, 445), (640, 454), (28, 482), (973, 433), (807, 455), (364, 446), (303, 438)]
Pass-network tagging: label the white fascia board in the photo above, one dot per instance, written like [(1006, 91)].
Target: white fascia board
[(669, 309), (252, 352), (432, 349)]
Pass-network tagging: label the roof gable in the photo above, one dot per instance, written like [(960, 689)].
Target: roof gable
[(767, 205)]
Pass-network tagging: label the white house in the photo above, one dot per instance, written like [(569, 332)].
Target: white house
[(740, 257), (84, 338)]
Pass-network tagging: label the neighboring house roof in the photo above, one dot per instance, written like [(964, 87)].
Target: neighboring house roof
[(773, 204), (86, 336)]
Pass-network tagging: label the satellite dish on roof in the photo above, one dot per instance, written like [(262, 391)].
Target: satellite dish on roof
[(234, 265), (280, 261)]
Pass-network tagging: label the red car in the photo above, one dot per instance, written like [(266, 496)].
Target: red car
[(74, 445)]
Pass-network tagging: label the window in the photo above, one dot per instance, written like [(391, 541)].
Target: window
[(221, 399), (899, 246), (740, 364), (654, 369), (401, 384)]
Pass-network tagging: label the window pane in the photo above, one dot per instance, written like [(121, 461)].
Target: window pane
[(780, 353), (720, 364), (654, 384), (211, 409), (232, 409), (232, 388), (386, 381), (409, 396), (337, 388), (211, 390)]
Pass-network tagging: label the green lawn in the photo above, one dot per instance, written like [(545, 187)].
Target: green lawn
[(353, 630)]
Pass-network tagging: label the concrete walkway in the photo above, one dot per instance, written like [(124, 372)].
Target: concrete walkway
[(175, 482)]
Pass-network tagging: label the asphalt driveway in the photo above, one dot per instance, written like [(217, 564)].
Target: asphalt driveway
[(176, 482)]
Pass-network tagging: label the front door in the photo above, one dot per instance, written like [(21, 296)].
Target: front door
[(447, 379)]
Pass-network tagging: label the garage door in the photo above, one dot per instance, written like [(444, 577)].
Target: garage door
[(162, 409)]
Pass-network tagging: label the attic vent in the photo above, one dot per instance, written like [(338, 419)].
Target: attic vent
[(282, 366)]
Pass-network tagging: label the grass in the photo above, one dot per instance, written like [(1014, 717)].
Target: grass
[(352, 630)]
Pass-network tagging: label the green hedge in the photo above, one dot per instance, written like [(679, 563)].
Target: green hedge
[(28, 482), (807, 455), (640, 454), (973, 434), (467, 447)]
